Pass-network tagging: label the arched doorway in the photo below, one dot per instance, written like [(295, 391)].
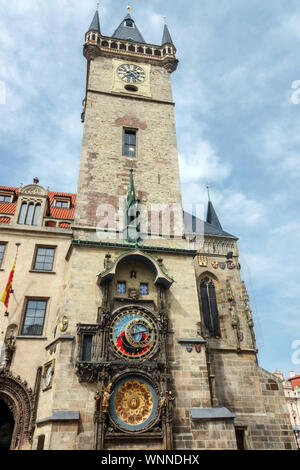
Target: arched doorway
[(16, 410), (7, 425)]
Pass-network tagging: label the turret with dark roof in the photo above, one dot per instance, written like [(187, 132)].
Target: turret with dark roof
[(95, 24), (166, 39), (128, 30)]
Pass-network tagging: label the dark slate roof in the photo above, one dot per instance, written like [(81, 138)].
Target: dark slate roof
[(212, 217), (166, 36), (95, 24), (193, 224), (125, 32)]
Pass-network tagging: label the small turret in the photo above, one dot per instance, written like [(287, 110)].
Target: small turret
[(166, 39)]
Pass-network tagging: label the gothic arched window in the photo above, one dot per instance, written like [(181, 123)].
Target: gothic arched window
[(209, 307)]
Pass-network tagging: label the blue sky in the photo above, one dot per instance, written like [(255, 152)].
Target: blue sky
[(237, 125)]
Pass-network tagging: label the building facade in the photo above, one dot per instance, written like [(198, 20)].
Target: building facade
[(129, 326), (291, 387)]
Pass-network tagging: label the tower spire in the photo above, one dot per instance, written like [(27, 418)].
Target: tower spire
[(211, 217), (95, 24), (131, 199), (166, 39), (128, 29)]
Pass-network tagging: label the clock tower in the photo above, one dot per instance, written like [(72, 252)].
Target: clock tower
[(126, 319), (128, 123), (158, 350)]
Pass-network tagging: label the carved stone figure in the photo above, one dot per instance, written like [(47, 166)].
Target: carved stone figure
[(105, 398)]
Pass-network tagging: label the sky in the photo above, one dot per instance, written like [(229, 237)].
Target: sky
[(238, 125)]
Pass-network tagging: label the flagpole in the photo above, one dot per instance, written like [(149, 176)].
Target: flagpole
[(8, 289)]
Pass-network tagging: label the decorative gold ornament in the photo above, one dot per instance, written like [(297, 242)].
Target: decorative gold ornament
[(133, 402), (63, 324), (215, 264), (202, 260)]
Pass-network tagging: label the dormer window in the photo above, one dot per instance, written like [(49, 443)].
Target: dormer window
[(129, 23), (5, 197), (60, 203), (29, 213)]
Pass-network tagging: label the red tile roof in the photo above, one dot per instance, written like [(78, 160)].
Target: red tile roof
[(55, 213), (4, 220)]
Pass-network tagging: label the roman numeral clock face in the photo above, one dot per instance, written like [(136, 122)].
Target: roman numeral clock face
[(130, 73)]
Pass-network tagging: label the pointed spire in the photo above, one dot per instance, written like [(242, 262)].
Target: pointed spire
[(131, 199), (95, 24), (128, 30), (211, 217), (166, 35)]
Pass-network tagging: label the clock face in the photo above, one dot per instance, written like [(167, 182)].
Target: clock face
[(48, 376), (133, 334), (133, 404), (131, 73)]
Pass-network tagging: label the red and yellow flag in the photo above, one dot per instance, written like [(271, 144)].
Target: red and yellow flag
[(6, 293)]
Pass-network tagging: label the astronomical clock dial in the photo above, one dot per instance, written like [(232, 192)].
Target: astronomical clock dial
[(133, 334), (133, 404), (130, 73)]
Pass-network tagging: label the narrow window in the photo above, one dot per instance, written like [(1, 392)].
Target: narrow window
[(29, 214), (34, 317), (144, 289), (2, 250), (36, 214), (209, 308), (87, 348), (121, 287), (22, 213), (240, 438), (129, 143), (44, 259), (41, 442)]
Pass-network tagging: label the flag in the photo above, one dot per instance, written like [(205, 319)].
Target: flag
[(6, 293)]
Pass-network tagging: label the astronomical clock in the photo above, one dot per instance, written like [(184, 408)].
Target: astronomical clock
[(126, 353)]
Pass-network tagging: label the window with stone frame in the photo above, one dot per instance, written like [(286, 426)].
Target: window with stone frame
[(44, 258), (121, 287), (210, 308), (34, 317), (2, 251), (129, 143), (144, 288), (29, 213)]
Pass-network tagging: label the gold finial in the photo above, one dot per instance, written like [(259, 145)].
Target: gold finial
[(128, 8), (165, 19), (97, 4), (207, 187)]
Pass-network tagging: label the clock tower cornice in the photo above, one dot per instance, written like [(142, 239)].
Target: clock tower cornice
[(98, 45)]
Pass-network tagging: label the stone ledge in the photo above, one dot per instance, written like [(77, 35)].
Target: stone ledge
[(61, 338), (192, 340), (31, 337), (60, 416), (211, 413)]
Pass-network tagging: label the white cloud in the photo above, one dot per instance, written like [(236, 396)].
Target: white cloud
[(202, 164)]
